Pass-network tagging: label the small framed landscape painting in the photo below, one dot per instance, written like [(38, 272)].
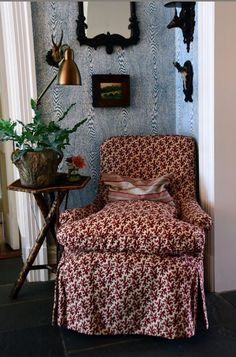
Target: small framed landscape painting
[(111, 90)]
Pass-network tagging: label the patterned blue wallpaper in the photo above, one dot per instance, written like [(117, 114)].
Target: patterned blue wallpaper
[(187, 113), (152, 75)]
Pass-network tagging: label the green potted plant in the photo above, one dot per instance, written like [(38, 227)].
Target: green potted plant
[(39, 146)]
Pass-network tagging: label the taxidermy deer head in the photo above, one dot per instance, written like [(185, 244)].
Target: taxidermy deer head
[(175, 22), (186, 72), (54, 56), (185, 20)]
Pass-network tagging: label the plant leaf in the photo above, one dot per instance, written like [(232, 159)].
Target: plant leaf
[(66, 112), (76, 126), (33, 104), (38, 135)]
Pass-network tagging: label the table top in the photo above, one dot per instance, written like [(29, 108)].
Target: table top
[(61, 184)]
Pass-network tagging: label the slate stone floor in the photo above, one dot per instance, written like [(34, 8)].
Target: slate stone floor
[(25, 328)]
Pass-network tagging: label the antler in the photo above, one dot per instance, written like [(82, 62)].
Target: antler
[(54, 56), (60, 42)]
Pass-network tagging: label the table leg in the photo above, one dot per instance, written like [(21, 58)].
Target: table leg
[(38, 243), (44, 208), (42, 204)]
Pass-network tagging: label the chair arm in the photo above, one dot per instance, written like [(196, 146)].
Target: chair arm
[(74, 214), (192, 213)]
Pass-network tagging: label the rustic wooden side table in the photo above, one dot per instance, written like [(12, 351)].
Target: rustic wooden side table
[(50, 213)]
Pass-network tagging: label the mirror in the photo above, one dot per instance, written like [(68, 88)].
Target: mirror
[(109, 24), (98, 20)]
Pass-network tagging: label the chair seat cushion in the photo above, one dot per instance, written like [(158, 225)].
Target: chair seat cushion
[(133, 226)]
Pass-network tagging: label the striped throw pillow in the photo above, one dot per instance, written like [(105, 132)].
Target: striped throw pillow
[(125, 188)]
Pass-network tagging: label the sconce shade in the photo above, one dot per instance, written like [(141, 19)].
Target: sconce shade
[(68, 73)]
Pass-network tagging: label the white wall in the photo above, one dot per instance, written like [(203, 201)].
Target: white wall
[(225, 146), (206, 43)]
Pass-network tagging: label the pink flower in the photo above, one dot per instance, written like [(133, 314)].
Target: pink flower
[(76, 161)]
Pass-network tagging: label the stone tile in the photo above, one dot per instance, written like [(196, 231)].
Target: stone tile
[(230, 296), (9, 269), (77, 341), (220, 311), (22, 315), (25, 327), (40, 341), (28, 292), (216, 342)]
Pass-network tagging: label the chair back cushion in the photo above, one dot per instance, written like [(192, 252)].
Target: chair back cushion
[(124, 188), (148, 157)]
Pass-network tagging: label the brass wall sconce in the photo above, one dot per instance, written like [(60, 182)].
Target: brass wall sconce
[(62, 57), (187, 75), (185, 20)]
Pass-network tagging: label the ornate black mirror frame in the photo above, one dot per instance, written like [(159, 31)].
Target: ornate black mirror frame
[(108, 40)]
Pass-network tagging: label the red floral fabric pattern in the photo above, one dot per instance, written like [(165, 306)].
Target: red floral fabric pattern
[(133, 226), (148, 157), (135, 267), (74, 214), (122, 293), (192, 213)]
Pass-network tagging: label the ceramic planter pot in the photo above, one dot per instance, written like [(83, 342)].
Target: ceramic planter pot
[(37, 168)]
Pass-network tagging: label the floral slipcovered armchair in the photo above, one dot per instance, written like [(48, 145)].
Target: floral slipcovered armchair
[(135, 266)]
